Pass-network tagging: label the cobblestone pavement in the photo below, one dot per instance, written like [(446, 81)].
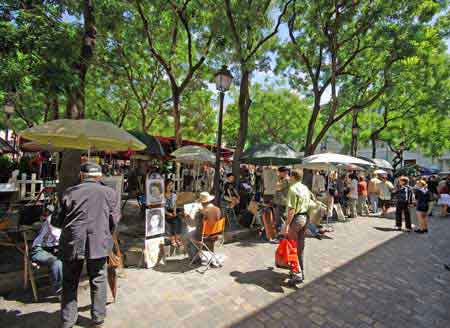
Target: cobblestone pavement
[(364, 275)]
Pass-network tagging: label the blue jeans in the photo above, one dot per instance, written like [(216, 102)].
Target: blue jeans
[(231, 215), (313, 229), (373, 198), (54, 264)]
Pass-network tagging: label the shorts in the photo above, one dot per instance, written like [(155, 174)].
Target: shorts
[(174, 226), (298, 223)]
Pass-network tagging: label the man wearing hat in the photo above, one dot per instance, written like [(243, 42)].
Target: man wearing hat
[(208, 211), (89, 214)]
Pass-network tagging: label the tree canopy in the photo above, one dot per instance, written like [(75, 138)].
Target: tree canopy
[(149, 65)]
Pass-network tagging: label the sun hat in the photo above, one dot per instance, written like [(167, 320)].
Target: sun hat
[(205, 197)]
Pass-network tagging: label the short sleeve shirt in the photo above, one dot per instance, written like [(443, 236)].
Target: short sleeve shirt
[(385, 190), (299, 198)]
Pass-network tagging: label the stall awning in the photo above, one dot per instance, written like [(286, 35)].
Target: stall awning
[(169, 144)]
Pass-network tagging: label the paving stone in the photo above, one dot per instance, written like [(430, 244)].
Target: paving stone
[(375, 282)]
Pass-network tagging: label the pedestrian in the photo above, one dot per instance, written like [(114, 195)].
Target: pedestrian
[(231, 198), (173, 221), (434, 193), (422, 202), (444, 196), (363, 209), (298, 203), (281, 193), (373, 190), (353, 195), (342, 192), (385, 194), (332, 193), (404, 198), (45, 251), (90, 212)]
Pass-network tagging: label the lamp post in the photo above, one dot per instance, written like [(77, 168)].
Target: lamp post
[(9, 110), (355, 131), (223, 80), (402, 150)]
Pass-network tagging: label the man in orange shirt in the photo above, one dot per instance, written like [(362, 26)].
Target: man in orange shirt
[(363, 209)]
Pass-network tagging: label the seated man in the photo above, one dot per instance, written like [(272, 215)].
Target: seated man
[(44, 250), (208, 212)]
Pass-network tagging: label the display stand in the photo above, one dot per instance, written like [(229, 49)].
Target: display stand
[(154, 221)]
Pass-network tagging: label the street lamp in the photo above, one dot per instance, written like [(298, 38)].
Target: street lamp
[(402, 150), (355, 131), (9, 110), (223, 80)]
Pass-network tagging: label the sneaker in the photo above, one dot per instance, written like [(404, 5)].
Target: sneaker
[(419, 231), (398, 228), (408, 230), (447, 267), (99, 324)]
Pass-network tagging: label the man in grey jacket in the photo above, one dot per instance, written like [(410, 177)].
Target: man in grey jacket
[(90, 213)]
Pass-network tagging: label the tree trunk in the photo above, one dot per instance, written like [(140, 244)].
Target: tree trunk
[(177, 117), (309, 146), (244, 105), (46, 110), (71, 159), (55, 108), (374, 147)]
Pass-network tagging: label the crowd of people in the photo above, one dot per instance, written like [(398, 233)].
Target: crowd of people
[(275, 201)]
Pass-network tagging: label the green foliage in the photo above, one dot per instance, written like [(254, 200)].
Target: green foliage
[(386, 59), (276, 116)]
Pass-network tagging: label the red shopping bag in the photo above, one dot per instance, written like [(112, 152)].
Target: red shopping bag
[(286, 255)]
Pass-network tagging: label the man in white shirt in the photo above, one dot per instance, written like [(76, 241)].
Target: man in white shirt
[(385, 189), (44, 251), (353, 195)]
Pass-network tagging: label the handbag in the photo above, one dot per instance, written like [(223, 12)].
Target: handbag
[(286, 255)]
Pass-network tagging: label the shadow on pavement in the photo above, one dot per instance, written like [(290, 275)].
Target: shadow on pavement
[(400, 283), (35, 319), (385, 229), (176, 266), (268, 279)]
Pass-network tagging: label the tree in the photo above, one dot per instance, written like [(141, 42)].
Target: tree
[(349, 49), (277, 116), (250, 27), (183, 55)]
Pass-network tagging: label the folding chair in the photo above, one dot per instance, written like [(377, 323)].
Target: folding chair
[(210, 232), (29, 267)]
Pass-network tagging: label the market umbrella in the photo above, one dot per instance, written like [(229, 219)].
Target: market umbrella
[(381, 172), (153, 146), (379, 163), (82, 134), (271, 154), (5, 147), (193, 155), (334, 159), (34, 147)]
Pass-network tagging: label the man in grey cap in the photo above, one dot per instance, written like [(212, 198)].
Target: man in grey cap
[(89, 214)]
